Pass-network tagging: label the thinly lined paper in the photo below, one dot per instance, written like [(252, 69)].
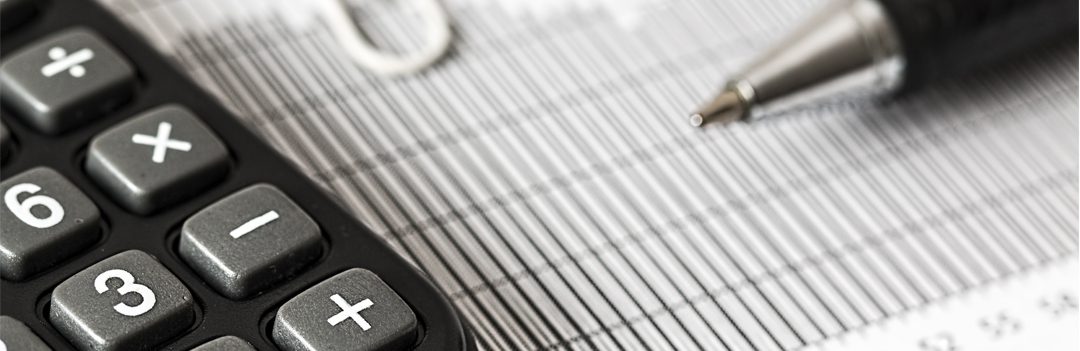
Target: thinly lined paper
[(544, 176)]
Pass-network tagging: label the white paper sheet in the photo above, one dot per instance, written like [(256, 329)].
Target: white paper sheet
[(544, 176)]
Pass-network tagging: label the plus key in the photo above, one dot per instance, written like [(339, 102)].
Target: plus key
[(321, 318), (350, 311)]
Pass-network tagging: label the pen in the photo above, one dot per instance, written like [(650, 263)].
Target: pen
[(860, 48)]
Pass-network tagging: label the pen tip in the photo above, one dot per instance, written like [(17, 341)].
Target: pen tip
[(725, 108), (697, 120)]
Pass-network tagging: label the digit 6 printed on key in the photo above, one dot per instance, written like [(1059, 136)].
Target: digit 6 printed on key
[(44, 219), (22, 209)]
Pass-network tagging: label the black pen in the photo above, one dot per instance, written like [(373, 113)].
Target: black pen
[(858, 48)]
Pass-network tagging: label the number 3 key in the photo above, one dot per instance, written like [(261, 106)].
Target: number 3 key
[(126, 302)]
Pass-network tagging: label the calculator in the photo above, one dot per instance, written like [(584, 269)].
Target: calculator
[(139, 214)]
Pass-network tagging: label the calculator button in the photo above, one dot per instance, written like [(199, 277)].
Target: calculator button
[(126, 302), (249, 241), (15, 12), (225, 343), (156, 159), (65, 80), (6, 142), (44, 219), (16, 336), (352, 311)]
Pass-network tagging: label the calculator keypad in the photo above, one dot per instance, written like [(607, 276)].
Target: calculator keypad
[(157, 159), (126, 302), (65, 80), (105, 170), (351, 311), (249, 241), (44, 219), (15, 336), (225, 343)]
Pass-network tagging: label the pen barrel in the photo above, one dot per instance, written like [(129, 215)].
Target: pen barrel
[(951, 37)]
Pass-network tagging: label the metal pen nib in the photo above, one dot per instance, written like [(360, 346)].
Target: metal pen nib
[(850, 48), (725, 108)]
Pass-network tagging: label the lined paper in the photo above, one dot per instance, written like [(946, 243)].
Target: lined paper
[(544, 175)]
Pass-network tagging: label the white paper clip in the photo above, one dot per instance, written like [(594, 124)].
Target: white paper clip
[(437, 36)]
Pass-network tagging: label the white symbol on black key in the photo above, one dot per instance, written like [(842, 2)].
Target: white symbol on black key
[(44, 218), (117, 159), (65, 80), (129, 301), (253, 224), (263, 247), (161, 142), (301, 325), (350, 311), (72, 63)]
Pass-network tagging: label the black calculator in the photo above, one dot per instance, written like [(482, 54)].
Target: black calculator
[(139, 214)]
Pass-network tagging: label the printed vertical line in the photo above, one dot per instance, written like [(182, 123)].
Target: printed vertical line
[(759, 292), (665, 243), (500, 174), (864, 203), (518, 319), (636, 271), (430, 246), (620, 254), (615, 61), (786, 143)]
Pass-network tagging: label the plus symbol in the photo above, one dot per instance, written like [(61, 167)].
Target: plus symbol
[(350, 311), (161, 142)]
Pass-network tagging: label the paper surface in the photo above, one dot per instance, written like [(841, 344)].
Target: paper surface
[(545, 176)]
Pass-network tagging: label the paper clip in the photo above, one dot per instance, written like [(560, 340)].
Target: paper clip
[(437, 36)]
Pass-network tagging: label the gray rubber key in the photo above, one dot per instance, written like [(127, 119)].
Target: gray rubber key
[(352, 311), (126, 302), (249, 241), (44, 219), (158, 158), (16, 336), (225, 343), (65, 80)]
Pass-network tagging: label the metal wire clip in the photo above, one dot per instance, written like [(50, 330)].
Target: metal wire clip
[(437, 36)]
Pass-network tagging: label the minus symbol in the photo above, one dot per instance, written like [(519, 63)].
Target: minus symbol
[(253, 224)]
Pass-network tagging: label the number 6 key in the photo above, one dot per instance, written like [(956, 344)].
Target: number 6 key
[(44, 219), (126, 302)]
